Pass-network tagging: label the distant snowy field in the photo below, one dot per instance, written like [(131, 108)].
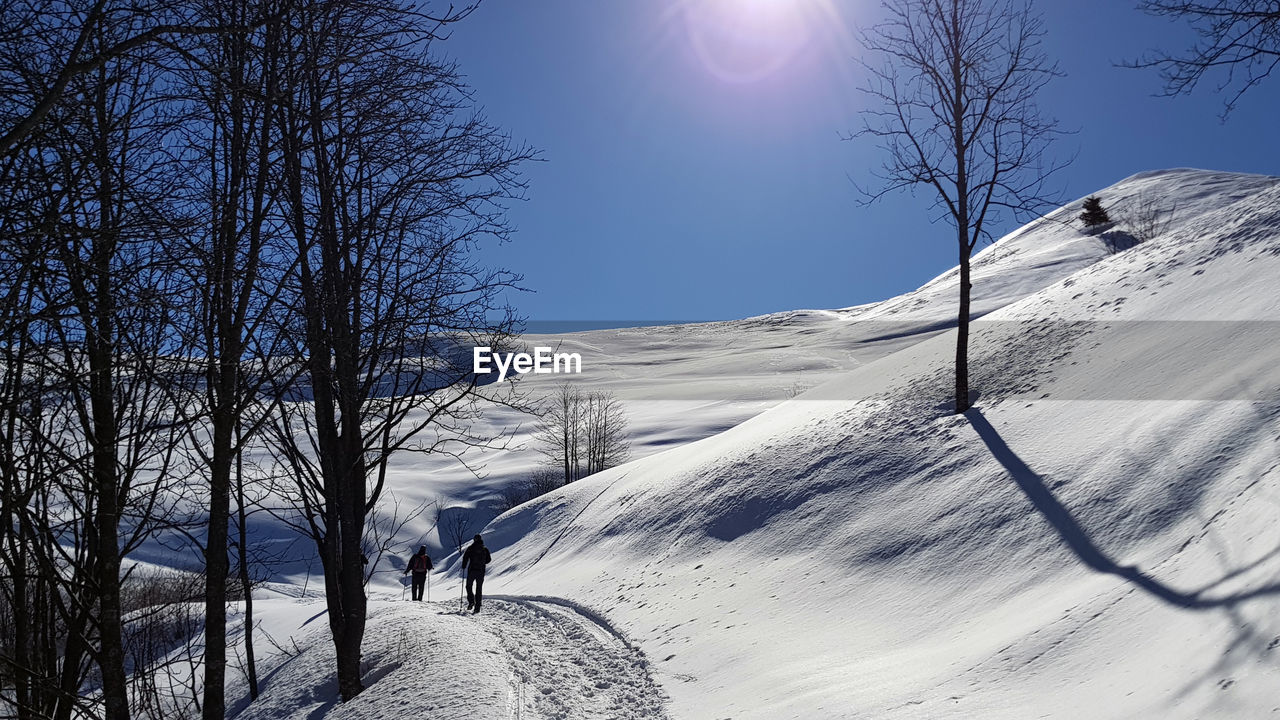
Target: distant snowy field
[(806, 532)]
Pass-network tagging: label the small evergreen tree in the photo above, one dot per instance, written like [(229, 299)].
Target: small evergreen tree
[(1094, 214)]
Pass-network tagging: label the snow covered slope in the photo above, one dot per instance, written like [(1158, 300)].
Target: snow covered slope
[(682, 383), (1097, 538), (809, 533)]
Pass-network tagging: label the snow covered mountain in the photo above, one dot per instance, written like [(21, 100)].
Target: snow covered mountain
[(808, 532)]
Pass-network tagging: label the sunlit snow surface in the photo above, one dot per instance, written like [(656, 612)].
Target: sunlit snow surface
[(807, 532)]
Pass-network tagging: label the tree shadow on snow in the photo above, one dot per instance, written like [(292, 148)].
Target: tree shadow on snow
[(1117, 241), (1075, 537)]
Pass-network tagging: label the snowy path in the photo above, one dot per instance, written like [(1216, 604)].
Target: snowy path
[(567, 662), (522, 658)]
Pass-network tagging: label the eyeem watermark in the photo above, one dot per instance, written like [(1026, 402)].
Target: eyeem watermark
[(543, 361)]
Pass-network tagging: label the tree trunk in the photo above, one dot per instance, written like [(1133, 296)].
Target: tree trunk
[(246, 583), (110, 658), (351, 582), (23, 683), (351, 514), (962, 333), (961, 139), (104, 437), (344, 583), (115, 692), (213, 706)]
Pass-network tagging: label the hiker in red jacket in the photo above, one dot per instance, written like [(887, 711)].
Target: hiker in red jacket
[(419, 565)]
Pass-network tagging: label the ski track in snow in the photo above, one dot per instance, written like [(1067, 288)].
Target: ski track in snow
[(568, 662)]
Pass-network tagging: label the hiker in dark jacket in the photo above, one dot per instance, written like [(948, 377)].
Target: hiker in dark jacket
[(473, 561), (419, 565)]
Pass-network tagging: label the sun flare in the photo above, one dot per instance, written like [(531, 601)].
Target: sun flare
[(744, 41)]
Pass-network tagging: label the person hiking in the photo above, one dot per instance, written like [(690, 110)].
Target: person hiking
[(419, 565), (473, 561)]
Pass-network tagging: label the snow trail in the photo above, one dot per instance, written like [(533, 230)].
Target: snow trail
[(569, 663), (522, 658)]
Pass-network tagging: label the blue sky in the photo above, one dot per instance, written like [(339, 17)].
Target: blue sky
[(693, 166)]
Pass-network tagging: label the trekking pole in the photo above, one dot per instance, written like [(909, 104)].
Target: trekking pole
[(462, 581), (428, 587)]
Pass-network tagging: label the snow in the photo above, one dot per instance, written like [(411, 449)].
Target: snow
[(807, 531), (421, 658), (535, 658), (569, 662), (1080, 545)]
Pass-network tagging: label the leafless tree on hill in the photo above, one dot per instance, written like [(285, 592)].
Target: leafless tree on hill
[(233, 270), (538, 483), (956, 83), (580, 433), (390, 178), (1147, 216)]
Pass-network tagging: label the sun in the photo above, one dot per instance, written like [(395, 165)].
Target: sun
[(746, 41)]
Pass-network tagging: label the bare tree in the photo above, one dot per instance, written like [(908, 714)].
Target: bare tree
[(605, 430), (559, 433), (1237, 40), (88, 85), (162, 627), (334, 184), (30, 631), (582, 433), (57, 43), (454, 525), (231, 157), (956, 82), (389, 181), (1147, 216), (103, 320), (384, 525)]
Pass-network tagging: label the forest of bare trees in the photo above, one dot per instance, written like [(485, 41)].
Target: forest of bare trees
[(226, 227)]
